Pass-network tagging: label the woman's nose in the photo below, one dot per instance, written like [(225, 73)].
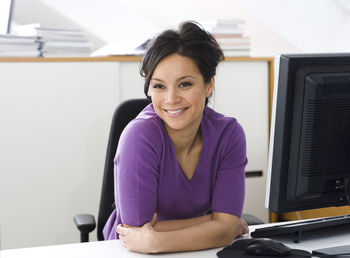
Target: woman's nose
[(172, 96)]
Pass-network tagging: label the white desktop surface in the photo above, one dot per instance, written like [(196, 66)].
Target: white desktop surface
[(113, 248), (99, 249)]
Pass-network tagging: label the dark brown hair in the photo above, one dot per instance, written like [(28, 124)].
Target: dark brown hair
[(190, 40)]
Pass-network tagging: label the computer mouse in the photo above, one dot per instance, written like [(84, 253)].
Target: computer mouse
[(267, 247)]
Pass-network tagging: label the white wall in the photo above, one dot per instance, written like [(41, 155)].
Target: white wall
[(311, 26), (55, 119), (35, 11), (341, 41), (5, 7), (264, 41), (104, 21), (115, 20), (275, 26)]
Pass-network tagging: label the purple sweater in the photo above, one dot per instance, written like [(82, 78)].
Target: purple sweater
[(149, 179)]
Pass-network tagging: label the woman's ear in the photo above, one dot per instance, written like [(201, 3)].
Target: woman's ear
[(210, 87)]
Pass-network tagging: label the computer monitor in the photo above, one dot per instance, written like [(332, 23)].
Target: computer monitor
[(6, 7), (309, 154)]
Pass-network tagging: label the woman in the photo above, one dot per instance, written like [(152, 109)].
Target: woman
[(179, 167)]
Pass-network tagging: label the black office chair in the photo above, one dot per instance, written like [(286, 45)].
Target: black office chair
[(123, 114)]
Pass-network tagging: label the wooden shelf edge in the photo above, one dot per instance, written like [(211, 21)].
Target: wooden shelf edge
[(71, 59), (109, 59)]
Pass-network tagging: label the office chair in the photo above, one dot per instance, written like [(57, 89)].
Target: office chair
[(123, 114)]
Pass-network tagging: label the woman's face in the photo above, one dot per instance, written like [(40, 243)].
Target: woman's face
[(178, 92)]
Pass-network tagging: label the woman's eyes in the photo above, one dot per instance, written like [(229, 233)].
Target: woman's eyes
[(185, 84), (181, 85), (158, 86)]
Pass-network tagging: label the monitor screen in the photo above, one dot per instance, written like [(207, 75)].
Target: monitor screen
[(6, 7), (309, 155)]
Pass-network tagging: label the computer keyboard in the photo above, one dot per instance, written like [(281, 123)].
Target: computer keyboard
[(298, 227)]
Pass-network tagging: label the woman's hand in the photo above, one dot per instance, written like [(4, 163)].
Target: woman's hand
[(242, 227), (139, 239)]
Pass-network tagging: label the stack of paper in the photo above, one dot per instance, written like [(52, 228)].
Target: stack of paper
[(125, 47), (19, 46), (230, 36), (58, 42)]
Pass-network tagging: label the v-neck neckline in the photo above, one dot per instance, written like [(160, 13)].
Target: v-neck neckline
[(198, 163), (195, 179)]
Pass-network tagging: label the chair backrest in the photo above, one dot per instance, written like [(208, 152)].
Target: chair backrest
[(124, 113)]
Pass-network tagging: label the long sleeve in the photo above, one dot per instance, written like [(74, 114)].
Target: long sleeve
[(136, 173), (228, 192)]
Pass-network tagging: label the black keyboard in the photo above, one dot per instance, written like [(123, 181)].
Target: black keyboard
[(297, 228)]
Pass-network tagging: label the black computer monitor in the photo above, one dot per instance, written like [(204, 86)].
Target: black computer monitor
[(309, 154), (6, 9)]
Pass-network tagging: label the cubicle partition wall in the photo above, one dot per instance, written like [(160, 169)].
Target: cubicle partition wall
[(55, 116)]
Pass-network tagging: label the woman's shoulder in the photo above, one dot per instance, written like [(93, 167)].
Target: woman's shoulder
[(225, 132), (144, 134), (218, 121), (147, 123), (147, 113), (222, 129)]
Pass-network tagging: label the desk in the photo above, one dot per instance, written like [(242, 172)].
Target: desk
[(114, 249), (100, 249)]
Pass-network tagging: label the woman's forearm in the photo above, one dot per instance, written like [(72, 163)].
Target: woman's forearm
[(220, 230), (210, 234), (172, 225)]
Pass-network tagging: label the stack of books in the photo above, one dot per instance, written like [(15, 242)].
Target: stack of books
[(230, 34), (58, 42), (19, 46)]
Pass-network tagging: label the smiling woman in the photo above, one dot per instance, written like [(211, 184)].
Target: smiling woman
[(179, 166), (178, 93)]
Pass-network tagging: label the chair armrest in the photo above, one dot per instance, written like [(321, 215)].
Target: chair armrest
[(85, 224), (251, 219)]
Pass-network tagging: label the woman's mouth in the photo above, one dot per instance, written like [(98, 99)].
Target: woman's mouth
[(175, 112)]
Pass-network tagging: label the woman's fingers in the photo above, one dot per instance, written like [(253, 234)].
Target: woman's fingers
[(122, 230), (137, 239), (244, 223), (122, 235), (245, 227), (154, 219), (152, 222)]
